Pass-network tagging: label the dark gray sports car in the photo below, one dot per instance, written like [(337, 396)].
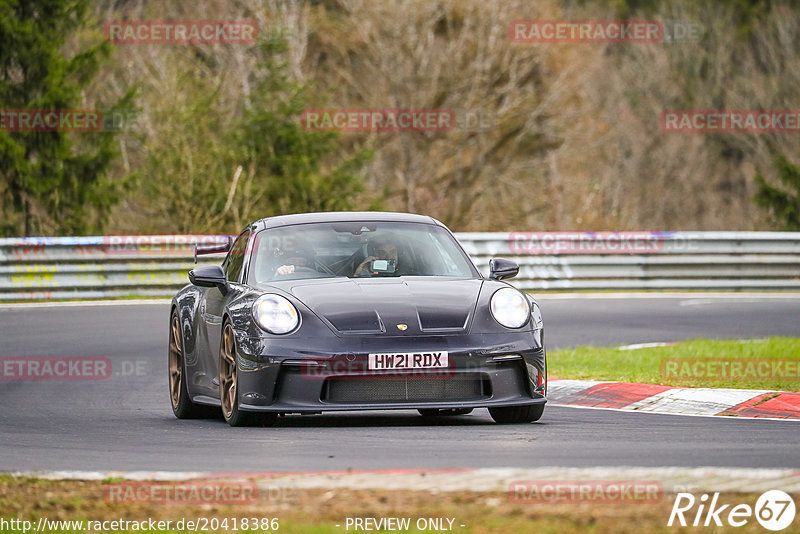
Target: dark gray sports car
[(353, 311)]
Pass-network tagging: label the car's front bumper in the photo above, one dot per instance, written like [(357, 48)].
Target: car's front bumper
[(485, 370)]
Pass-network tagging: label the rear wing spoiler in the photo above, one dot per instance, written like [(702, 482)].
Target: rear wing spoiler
[(213, 249)]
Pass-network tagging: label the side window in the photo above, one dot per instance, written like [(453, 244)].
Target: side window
[(235, 260)]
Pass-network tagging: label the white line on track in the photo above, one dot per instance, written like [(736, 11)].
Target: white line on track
[(671, 295), (649, 345), (82, 303)]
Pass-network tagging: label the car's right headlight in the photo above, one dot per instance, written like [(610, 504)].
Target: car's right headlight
[(275, 314)]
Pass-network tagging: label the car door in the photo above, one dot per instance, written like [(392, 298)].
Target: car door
[(213, 307)]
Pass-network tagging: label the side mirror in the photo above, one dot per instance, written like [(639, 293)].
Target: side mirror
[(501, 268), (209, 276)]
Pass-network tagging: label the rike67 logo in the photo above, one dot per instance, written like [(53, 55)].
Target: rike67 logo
[(774, 510)]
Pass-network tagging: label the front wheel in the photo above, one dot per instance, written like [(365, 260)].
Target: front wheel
[(517, 414), (228, 386)]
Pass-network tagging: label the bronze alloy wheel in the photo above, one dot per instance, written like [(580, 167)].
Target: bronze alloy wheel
[(227, 371), (228, 386), (182, 405), (175, 361)]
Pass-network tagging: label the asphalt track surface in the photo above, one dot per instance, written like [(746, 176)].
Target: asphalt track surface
[(125, 423)]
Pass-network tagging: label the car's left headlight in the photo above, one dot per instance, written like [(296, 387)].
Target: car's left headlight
[(275, 314), (510, 308)]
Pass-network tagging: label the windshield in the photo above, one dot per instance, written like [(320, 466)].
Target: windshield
[(358, 249)]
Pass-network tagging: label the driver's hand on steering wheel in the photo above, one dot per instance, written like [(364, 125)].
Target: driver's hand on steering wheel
[(284, 270)]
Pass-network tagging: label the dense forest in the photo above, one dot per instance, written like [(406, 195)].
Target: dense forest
[(547, 136)]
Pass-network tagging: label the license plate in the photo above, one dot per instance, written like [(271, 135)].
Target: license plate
[(408, 360)]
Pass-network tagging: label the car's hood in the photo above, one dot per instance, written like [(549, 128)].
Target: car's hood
[(395, 306)]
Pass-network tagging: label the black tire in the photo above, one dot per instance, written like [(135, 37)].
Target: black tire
[(228, 386), (436, 412), (182, 405), (517, 414)]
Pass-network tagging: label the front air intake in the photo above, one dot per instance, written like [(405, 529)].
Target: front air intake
[(412, 388)]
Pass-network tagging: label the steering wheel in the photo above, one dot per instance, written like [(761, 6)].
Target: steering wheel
[(303, 269), (323, 267)]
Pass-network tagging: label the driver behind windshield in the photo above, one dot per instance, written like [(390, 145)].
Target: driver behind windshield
[(296, 259), (381, 248)]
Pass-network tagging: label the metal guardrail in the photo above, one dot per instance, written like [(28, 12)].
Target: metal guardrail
[(156, 266)]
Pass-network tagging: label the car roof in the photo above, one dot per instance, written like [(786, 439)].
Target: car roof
[(343, 216)]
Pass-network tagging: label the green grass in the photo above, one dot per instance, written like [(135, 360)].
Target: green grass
[(675, 365)]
